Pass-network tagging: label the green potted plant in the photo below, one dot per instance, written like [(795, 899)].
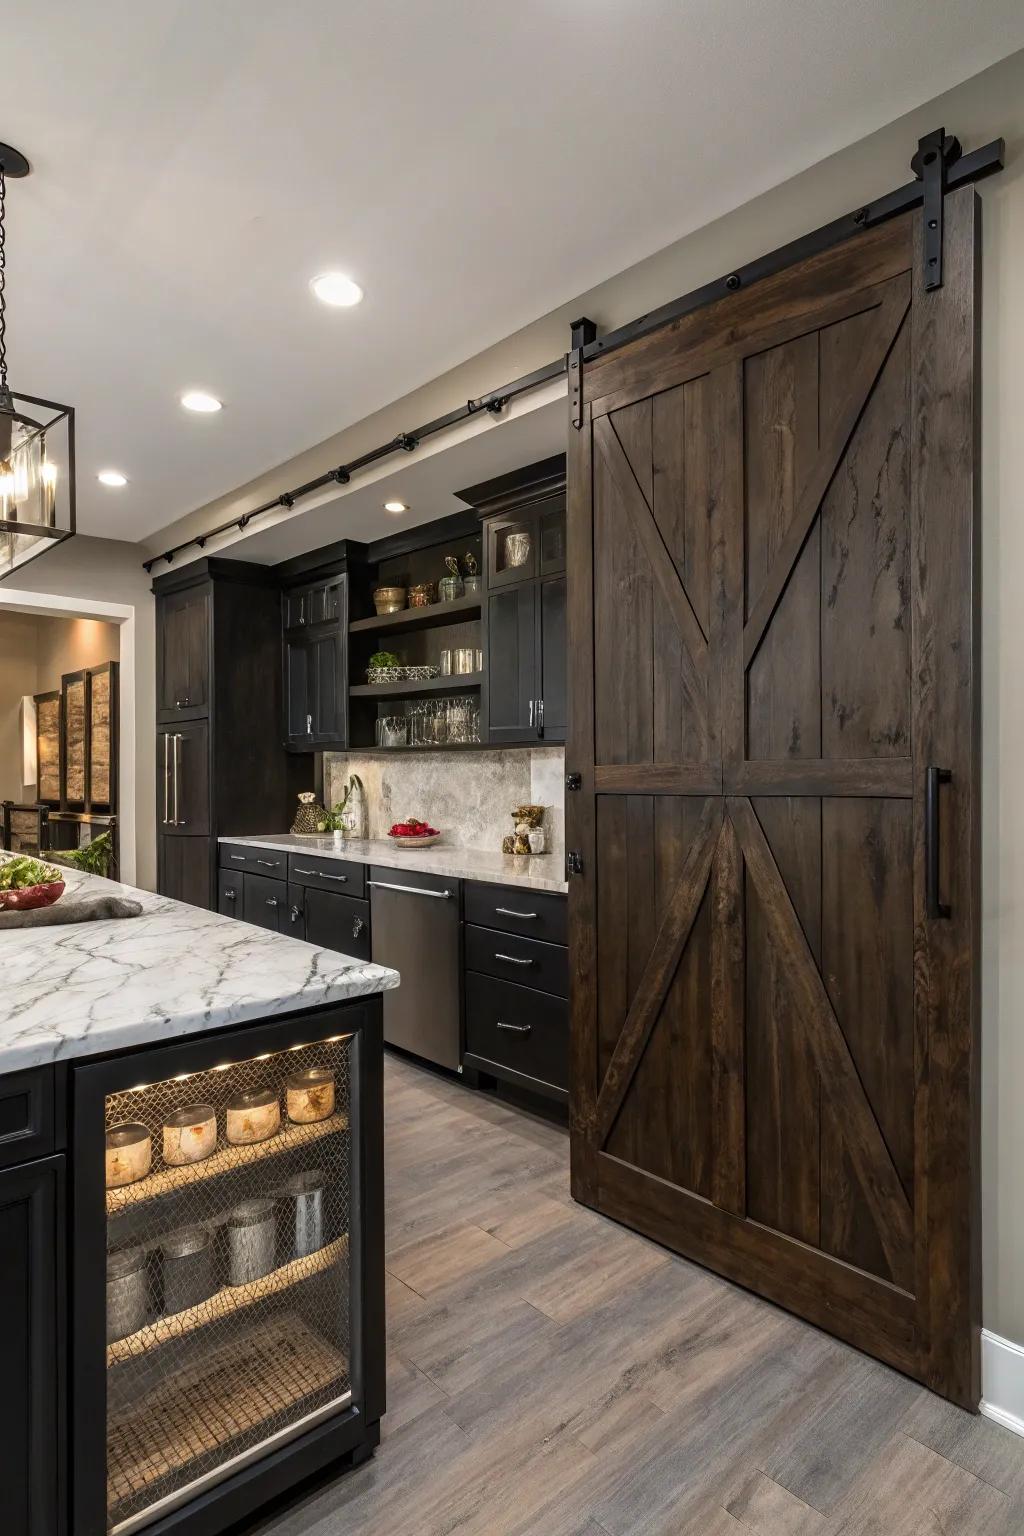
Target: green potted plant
[(383, 667)]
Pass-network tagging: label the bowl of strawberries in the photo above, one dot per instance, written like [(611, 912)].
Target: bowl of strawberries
[(413, 833)]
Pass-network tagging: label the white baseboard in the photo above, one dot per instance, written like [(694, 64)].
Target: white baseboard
[(1002, 1381)]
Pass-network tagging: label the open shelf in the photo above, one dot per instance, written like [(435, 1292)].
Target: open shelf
[(464, 682), (225, 1160), (232, 1298), (261, 1380), (459, 611)]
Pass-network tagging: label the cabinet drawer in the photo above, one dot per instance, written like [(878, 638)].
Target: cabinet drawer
[(230, 892), (333, 921), (26, 1115), (265, 902), (523, 1032), (511, 909), (343, 876), (530, 962), (260, 861)]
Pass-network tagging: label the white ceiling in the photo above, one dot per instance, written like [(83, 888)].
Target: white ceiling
[(471, 165)]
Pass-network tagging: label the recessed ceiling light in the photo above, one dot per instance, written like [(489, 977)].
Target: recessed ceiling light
[(199, 400), (112, 477), (395, 506), (336, 289)]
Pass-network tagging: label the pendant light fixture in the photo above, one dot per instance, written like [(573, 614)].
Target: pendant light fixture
[(37, 439)]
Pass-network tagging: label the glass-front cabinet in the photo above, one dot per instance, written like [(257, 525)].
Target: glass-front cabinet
[(226, 1293)]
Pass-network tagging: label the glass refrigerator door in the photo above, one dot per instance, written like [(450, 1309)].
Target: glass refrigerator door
[(228, 1195)]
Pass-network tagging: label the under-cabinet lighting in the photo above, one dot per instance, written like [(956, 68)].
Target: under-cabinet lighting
[(395, 506), (112, 477), (199, 400)]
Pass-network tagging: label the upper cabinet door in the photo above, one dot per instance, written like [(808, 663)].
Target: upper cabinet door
[(551, 537), (511, 549), (553, 703), (330, 690), (512, 691), (183, 653), (298, 694)]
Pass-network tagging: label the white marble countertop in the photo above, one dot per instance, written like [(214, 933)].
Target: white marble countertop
[(82, 988), (536, 872)]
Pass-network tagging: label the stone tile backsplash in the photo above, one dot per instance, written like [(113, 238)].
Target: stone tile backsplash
[(469, 795)]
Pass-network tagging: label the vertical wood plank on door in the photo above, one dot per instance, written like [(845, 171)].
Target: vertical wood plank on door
[(946, 524), (580, 814)]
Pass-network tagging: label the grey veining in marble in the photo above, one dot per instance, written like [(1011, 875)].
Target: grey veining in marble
[(469, 795), (85, 988), (540, 873)]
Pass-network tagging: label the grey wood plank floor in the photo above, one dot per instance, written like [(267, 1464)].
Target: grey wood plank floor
[(551, 1374)]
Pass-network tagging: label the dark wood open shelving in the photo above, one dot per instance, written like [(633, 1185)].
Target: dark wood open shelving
[(465, 682), (460, 610)]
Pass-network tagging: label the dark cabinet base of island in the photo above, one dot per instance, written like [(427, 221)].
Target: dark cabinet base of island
[(200, 1293)]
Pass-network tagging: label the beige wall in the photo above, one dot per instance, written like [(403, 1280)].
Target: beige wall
[(111, 571), (34, 655), (18, 674), (66, 645), (989, 106)]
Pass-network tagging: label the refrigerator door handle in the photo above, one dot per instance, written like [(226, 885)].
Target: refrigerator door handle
[(177, 775), (167, 778)]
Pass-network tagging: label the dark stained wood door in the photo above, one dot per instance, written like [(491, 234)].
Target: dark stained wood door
[(771, 577)]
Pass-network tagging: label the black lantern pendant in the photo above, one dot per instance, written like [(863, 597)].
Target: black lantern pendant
[(37, 440)]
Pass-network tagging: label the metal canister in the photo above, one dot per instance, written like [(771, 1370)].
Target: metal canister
[(251, 1231), (302, 1198), (127, 1293), (188, 1269)]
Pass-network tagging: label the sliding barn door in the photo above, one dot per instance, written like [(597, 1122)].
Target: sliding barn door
[(772, 578)]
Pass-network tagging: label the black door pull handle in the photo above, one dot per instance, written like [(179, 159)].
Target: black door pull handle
[(933, 778)]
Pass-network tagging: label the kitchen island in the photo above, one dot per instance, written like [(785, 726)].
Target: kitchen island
[(191, 1218)]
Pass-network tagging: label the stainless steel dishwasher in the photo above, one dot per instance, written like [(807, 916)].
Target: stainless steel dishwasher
[(415, 926)]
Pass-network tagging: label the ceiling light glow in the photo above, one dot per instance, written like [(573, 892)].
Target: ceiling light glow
[(199, 400), (395, 506), (112, 477), (336, 289)]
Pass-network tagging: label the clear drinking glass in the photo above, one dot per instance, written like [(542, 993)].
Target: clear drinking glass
[(446, 663), (463, 660)]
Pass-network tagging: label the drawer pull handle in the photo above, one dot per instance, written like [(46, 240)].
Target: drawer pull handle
[(513, 959), (230, 895), (295, 914), (408, 890), (269, 863), (515, 1029), (507, 912), (299, 871), (272, 901), (325, 876), (239, 858)]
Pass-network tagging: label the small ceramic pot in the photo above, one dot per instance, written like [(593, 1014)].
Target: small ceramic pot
[(252, 1116), (190, 1135), (389, 600), (129, 1154)]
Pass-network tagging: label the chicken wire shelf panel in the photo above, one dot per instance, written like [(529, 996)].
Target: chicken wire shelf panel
[(228, 1282)]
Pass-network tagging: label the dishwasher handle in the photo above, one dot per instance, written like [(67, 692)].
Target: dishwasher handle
[(409, 890)]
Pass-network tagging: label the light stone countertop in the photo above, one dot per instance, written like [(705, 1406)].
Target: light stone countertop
[(83, 988), (535, 872)]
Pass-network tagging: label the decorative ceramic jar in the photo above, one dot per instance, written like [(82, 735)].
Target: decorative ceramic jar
[(190, 1135), (389, 600), (253, 1115), (129, 1154), (309, 1095)]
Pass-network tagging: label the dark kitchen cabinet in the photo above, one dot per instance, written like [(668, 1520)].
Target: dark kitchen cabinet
[(183, 652), (336, 922), (221, 766), (183, 869), (314, 618), (525, 689), (316, 691), (32, 1287), (511, 687), (265, 902), (183, 779)]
